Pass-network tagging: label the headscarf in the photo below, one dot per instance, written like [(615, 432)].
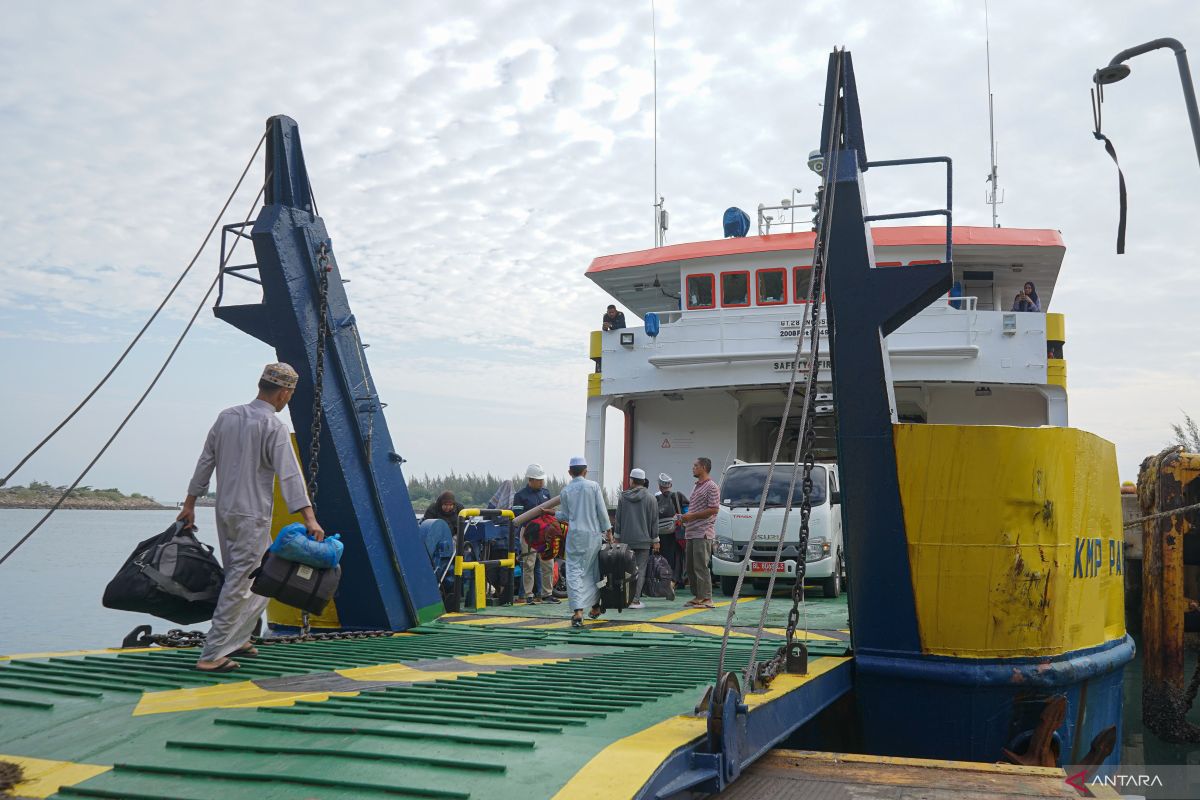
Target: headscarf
[(1033, 295)]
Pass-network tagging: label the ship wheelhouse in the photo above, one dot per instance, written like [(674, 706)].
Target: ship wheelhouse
[(712, 380)]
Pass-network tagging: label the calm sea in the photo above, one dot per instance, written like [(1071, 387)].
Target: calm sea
[(50, 589)]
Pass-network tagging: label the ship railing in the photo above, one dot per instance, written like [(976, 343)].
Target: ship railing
[(670, 316)]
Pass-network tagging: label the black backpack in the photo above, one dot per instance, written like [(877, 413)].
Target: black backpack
[(172, 575), (295, 584)]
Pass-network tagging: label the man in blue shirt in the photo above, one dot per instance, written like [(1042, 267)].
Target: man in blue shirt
[(537, 576)]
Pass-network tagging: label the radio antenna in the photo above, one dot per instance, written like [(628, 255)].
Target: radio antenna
[(994, 196), (660, 214)]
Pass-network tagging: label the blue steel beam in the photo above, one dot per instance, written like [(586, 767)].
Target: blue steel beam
[(866, 304), (388, 582)]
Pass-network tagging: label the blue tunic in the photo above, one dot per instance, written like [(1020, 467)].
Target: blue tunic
[(582, 507)]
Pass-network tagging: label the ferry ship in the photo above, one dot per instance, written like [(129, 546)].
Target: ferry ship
[(710, 380), (974, 631)]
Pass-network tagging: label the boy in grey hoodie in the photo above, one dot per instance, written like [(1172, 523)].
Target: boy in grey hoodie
[(637, 526)]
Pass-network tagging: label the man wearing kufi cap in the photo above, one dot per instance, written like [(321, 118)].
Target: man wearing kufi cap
[(582, 507), (248, 447)]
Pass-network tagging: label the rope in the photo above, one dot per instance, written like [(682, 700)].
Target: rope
[(1160, 515), (153, 316), (1098, 118), (145, 394), (815, 289)]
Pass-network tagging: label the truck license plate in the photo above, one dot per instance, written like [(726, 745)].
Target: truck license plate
[(768, 566)]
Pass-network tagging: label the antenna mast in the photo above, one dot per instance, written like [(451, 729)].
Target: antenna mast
[(994, 196), (660, 214)]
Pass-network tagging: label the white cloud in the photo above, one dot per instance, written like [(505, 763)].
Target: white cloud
[(471, 159)]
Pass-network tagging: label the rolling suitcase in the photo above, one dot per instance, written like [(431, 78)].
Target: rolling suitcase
[(618, 573)]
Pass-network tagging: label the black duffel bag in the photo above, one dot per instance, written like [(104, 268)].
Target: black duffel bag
[(295, 584), (172, 575)]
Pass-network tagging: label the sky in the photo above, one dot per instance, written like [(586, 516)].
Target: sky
[(471, 158)]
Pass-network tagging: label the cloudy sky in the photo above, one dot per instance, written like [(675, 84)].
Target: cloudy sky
[(471, 158)]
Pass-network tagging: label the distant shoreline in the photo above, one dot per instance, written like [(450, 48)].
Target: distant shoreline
[(88, 505)]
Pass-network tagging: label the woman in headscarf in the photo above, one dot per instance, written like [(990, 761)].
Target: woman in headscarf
[(1027, 299), (444, 508)]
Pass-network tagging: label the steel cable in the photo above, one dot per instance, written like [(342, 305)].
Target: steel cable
[(146, 326), (145, 394), (815, 293)]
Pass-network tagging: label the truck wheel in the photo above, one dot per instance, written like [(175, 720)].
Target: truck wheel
[(832, 585), (728, 584)]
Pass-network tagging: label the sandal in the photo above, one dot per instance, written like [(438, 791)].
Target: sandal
[(227, 665), (576, 622), (595, 612), (248, 650)]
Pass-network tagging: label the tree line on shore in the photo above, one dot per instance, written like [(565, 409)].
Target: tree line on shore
[(39, 494), (469, 488)]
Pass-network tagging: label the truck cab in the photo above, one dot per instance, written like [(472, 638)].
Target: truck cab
[(741, 491)]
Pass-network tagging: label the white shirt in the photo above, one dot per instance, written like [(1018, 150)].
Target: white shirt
[(249, 446)]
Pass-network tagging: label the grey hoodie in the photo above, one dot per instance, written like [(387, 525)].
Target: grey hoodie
[(637, 518)]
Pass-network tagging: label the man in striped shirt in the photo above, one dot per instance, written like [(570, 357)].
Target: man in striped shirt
[(701, 530)]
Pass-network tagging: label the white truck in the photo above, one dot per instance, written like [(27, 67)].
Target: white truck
[(741, 490)]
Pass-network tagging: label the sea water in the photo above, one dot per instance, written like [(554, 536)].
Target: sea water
[(50, 589)]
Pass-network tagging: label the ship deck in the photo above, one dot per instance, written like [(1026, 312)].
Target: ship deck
[(505, 703)]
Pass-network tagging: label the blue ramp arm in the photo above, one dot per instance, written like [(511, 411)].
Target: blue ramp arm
[(388, 582)]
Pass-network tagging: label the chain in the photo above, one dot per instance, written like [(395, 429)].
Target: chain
[(806, 485), (144, 637), (321, 637), (314, 445)]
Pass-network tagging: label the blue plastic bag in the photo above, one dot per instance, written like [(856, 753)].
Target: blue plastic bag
[(294, 544)]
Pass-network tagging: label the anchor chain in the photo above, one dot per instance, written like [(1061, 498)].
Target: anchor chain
[(143, 636), (314, 445)]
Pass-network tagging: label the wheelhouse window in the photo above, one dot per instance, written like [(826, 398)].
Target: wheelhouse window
[(771, 286), (801, 281), (700, 292), (735, 289)]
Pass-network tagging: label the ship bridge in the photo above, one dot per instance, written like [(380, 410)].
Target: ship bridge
[(712, 380)]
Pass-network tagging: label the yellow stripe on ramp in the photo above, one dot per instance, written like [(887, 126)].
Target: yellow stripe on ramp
[(687, 612), (247, 694), (44, 777)]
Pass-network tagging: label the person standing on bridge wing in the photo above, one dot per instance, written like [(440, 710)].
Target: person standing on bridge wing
[(701, 522), (582, 507), (248, 447)]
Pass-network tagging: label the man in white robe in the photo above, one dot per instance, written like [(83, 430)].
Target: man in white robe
[(248, 447), (582, 507)]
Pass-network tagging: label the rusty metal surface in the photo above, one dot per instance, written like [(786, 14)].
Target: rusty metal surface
[(1168, 480), (798, 774)]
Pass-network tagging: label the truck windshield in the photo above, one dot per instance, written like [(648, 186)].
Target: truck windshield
[(743, 486)]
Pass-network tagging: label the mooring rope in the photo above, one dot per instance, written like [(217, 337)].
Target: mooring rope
[(146, 326), (178, 342)]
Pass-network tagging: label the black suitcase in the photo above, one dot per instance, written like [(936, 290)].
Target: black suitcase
[(618, 571), (294, 584), (172, 575)]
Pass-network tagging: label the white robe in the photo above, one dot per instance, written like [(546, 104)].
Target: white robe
[(582, 506), (248, 447)]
